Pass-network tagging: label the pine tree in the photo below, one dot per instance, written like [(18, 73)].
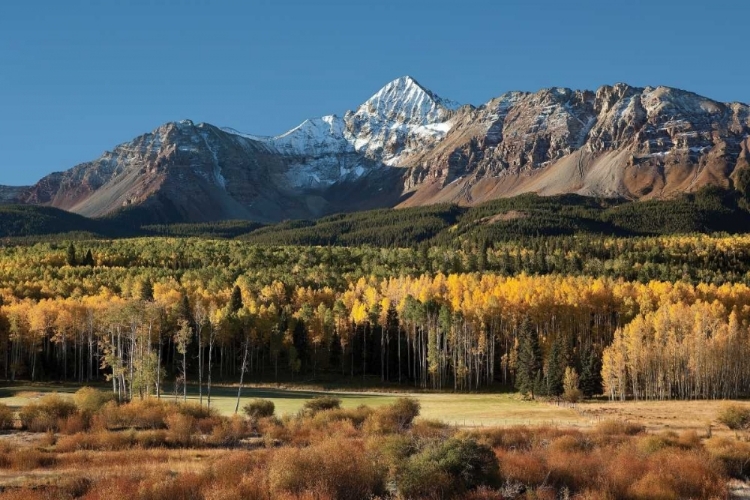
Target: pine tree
[(88, 260), (147, 291), (591, 374), (529, 366), (482, 256), (235, 303), (71, 257)]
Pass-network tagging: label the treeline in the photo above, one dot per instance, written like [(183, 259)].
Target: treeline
[(42, 271), (458, 331), (681, 350)]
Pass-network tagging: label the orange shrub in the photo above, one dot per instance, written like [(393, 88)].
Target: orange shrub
[(45, 414), (73, 424), (340, 468), (576, 470), (30, 459), (181, 428), (734, 455), (524, 467), (691, 474), (7, 418), (618, 428)]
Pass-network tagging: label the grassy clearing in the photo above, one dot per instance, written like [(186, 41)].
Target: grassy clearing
[(469, 410)]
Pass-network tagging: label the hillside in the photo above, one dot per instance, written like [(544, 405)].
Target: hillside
[(707, 211)]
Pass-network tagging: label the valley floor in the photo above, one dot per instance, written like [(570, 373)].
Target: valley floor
[(455, 409)]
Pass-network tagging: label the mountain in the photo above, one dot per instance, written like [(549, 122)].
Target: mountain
[(406, 146)]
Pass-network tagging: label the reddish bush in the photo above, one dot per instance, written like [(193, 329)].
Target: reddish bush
[(528, 468), (338, 468)]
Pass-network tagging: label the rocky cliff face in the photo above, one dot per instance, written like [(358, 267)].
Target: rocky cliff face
[(407, 146), (617, 141)]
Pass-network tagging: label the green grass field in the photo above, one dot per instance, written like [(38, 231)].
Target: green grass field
[(455, 409)]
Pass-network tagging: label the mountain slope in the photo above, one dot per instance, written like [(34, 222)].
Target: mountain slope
[(406, 146), (619, 141)]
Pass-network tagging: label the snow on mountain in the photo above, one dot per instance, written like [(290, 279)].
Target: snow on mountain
[(401, 117), (407, 146), (404, 100)]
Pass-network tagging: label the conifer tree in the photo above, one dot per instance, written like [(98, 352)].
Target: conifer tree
[(591, 373), (482, 256), (147, 291), (88, 260), (529, 365), (235, 304), (71, 256)]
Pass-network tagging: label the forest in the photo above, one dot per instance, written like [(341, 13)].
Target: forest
[(526, 216), (657, 317)]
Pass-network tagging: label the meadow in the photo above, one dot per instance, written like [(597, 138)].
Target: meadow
[(306, 444), (465, 410)]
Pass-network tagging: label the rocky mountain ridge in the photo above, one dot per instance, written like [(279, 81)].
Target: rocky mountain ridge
[(406, 146)]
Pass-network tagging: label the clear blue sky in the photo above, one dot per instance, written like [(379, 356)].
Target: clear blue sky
[(78, 77)]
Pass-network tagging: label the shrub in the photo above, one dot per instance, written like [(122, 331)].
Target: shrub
[(229, 431), (339, 469), (651, 444), (259, 408), (46, 414), (447, 468), (321, 403), (73, 424), (618, 428), (181, 428), (30, 459), (735, 455), (394, 418), (430, 429), (567, 444), (357, 416), (90, 400), (149, 413), (574, 470), (151, 439), (734, 416), (195, 410), (522, 467), (96, 441), (7, 419), (207, 425)]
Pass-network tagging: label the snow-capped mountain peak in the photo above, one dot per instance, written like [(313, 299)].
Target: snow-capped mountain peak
[(406, 101), (401, 116)]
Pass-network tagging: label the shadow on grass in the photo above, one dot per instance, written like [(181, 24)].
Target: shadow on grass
[(264, 393)]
